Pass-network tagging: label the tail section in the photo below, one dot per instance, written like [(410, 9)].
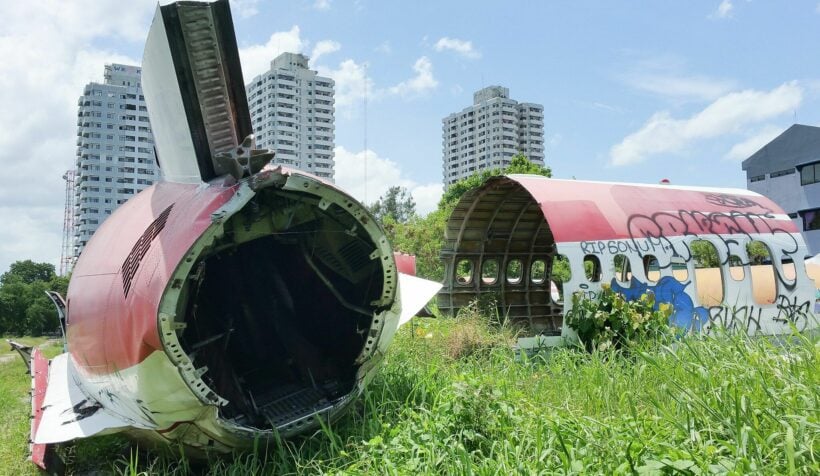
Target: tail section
[(193, 85)]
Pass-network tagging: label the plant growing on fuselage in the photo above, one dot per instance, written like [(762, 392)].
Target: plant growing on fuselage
[(611, 321)]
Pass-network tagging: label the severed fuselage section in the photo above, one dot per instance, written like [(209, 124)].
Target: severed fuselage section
[(233, 302), (279, 308)]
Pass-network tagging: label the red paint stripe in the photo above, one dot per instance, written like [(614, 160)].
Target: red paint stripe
[(589, 211)]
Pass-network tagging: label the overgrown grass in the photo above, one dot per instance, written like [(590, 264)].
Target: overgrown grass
[(15, 408), (453, 398)]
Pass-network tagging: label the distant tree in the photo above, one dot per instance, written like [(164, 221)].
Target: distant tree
[(24, 306), (424, 236), (758, 253), (519, 164), (397, 204), (705, 254), (28, 271)]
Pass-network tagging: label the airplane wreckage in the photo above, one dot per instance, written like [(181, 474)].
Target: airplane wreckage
[(237, 301), (234, 301), (504, 240)]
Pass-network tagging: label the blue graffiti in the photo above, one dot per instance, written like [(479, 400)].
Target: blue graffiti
[(668, 290)]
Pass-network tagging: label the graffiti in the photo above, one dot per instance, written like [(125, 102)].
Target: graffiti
[(648, 246), (746, 318), (668, 290), (591, 294), (724, 227), (686, 315), (790, 311), (732, 201)]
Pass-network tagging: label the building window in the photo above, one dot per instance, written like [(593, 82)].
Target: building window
[(781, 173), (811, 219), (810, 174), (757, 178)]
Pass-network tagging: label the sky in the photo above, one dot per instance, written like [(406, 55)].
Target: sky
[(632, 91)]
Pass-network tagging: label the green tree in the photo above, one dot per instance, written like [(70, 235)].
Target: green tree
[(518, 165), (758, 253), (29, 271), (705, 254), (424, 236), (396, 204), (24, 306)]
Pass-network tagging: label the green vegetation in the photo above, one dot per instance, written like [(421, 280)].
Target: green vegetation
[(424, 236), (15, 409), (24, 307), (397, 205), (5, 349), (453, 398), (706, 256), (519, 164), (613, 321)]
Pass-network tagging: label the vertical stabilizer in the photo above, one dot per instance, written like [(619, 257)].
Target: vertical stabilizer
[(194, 89)]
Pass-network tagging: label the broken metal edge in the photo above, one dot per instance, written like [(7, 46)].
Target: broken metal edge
[(39, 367), (383, 324), (24, 350)]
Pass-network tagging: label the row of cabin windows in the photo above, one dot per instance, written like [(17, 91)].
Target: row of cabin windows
[(514, 272)]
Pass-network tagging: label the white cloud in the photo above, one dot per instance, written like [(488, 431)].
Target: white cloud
[(256, 59), (681, 86), (352, 82), (667, 76), (381, 174), (350, 77), (662, 133), (462, 47), (49, 53), (420, 84), (322, 5), (322, 48), (244, 8), (753, 143), (384, 47), (724, 10)]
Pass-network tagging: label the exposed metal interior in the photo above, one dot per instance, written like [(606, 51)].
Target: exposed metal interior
[(280, 307), (501, 223)]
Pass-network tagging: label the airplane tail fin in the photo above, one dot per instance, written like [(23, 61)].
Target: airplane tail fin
[(193, 86)]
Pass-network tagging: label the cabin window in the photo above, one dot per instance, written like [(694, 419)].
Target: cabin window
[(651, 269), (514, 271), (679, 269), (764, 288), (736, 270), (538, 272), (464, 272), (560, 273), (489, 271), (623, 270), (708, 273), (592, 268), (789, 271)]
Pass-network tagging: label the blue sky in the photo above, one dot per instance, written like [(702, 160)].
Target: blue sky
[(632, 91), (713, 78)]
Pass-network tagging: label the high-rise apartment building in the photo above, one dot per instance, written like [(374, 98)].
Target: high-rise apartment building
[(293, 114), (115, 149), (489, 133)]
